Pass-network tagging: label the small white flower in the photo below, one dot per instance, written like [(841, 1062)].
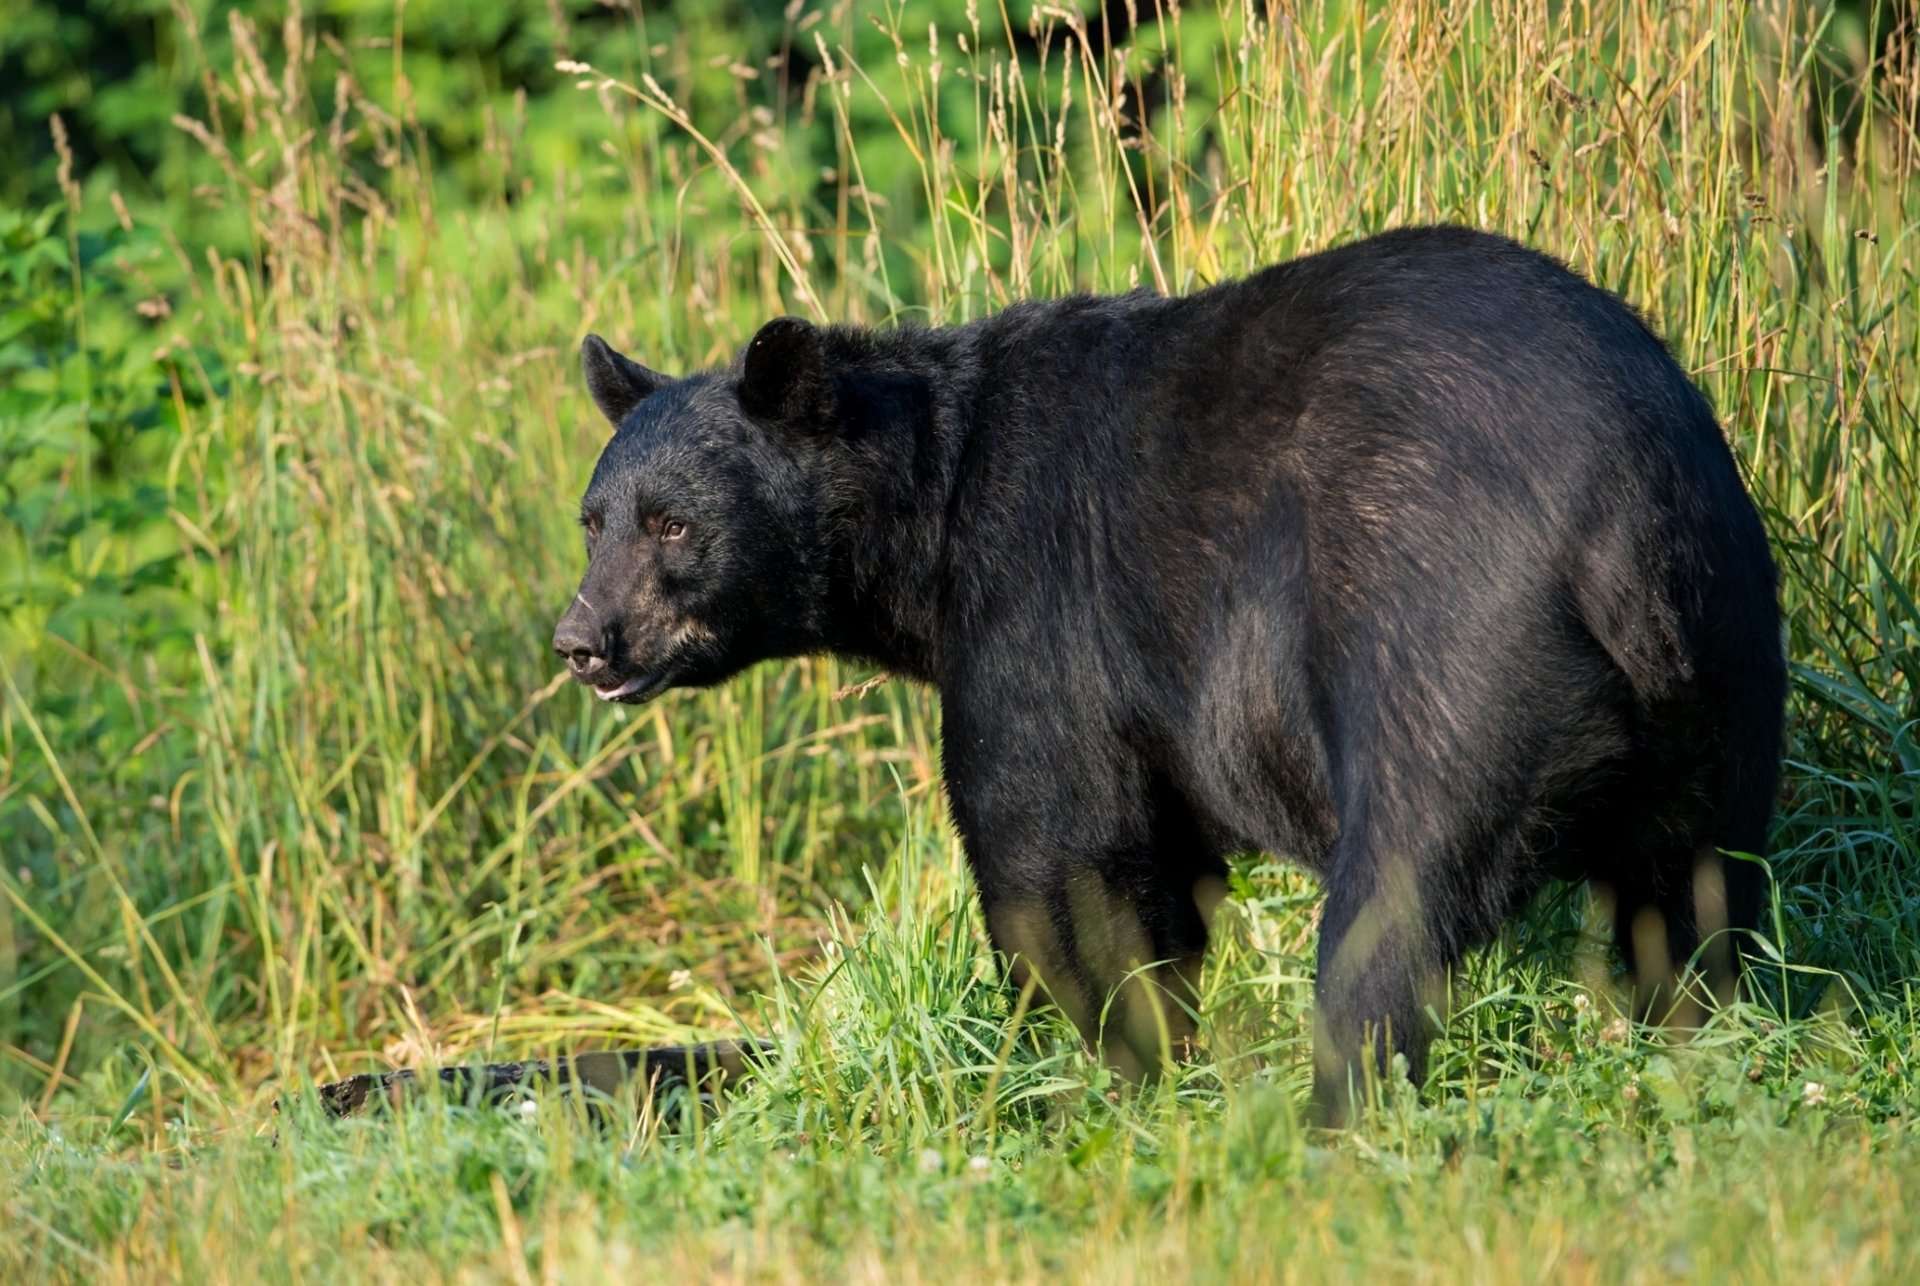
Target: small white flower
[(930, 1161), (528, 1107), (978, 1167), (1813, 1094), (1580, 1002), (679, 980), (571, 67)]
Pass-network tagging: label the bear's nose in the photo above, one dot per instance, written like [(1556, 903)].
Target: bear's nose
[(581, 646)]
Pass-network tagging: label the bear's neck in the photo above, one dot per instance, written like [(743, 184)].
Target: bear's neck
[(906, 400)]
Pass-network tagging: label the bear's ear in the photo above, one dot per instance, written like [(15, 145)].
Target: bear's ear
[(618, 384), (785, 377)]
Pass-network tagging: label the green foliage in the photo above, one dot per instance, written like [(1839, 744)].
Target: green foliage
[(290, 435), (84, 443)]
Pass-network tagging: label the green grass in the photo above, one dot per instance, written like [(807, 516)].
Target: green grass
[(288, 789)]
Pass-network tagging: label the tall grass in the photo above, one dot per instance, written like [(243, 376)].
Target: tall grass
[(354, 819)]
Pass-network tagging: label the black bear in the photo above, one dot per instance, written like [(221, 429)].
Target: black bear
[(1419, 561)]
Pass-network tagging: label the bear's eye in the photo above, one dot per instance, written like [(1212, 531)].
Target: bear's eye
[(592, 526), (672, 529)]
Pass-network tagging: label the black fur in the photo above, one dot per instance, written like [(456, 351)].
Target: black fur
[(1419, 561)]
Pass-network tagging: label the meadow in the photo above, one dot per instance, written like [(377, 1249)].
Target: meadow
[(291, 437)]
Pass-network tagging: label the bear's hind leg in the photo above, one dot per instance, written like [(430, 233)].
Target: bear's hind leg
[(1381, 971), (1654, 931), (1681, 925), (1404, 903)]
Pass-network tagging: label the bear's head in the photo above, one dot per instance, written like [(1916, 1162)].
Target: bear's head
[(702, 518)]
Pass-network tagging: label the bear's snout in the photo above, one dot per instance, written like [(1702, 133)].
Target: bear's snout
[(602, 654), (582, 642)]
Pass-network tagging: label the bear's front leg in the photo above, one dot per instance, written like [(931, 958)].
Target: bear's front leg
[(1096, 890), (1104, 953)]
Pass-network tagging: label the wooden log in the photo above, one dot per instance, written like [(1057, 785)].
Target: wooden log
[(605, 1075)]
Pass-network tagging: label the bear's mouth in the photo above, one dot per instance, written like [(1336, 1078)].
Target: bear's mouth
[(638, 689)]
